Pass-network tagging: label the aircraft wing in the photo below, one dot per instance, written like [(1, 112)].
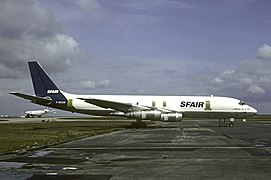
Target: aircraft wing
[(123, 107), (32, 98)]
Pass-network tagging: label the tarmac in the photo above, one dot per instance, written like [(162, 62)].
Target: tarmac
[(191, 149)]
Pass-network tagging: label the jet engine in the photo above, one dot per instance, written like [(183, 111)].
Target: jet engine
[(172, 117), (155, 115), (151, 115)]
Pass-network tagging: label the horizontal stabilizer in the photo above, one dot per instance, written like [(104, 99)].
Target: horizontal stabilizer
[(32, 98)]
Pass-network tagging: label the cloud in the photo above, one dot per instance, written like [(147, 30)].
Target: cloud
[(220, 80), (255, 89), (264, 52), (251, 79), (29, 31), (90, 84), (227, 73), (7, 73), (143, 5), (88, 5), (246, 80), (217, 80)]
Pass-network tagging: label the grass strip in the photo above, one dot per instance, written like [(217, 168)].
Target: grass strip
[(18, 138)]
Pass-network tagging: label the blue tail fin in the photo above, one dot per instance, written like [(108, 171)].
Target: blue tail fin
[(43, 85)]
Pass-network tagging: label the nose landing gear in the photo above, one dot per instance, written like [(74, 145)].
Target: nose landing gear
[(226, 122)]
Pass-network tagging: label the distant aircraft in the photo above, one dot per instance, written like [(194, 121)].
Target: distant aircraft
[(35, 113), (156, 108)]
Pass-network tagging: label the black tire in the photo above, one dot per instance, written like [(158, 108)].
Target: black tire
[(142, 125), (138, 125), (133, 125)]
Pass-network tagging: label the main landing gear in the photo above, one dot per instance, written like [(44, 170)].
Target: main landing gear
[(138, 124), (226, 122)]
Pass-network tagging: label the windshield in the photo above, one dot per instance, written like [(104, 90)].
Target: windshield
[(242, 103)]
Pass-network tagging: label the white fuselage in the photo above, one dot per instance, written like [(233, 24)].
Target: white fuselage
[(36, 113), (189, 106)]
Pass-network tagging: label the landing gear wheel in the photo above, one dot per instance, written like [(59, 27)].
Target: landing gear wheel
[(133, 124), (231, 124), (138, 124), (142, 125)]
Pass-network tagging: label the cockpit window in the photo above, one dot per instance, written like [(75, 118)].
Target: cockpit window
[(242, 103)]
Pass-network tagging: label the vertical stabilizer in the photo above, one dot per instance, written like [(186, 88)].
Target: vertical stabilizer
[(43, 85)]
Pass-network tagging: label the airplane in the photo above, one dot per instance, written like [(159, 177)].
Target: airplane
[(35, 113), (137, 107)]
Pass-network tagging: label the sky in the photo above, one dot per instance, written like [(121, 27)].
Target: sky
[(161, 47)]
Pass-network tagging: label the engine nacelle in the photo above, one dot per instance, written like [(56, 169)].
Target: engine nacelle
[(155, 116), (172, 117), (151, 115)]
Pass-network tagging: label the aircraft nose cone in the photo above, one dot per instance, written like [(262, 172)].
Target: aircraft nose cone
[(254, 111)]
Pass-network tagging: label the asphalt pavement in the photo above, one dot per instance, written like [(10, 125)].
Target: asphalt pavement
[(191, 149)]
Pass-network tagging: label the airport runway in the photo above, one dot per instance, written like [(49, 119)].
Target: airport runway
[(192, 149)]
